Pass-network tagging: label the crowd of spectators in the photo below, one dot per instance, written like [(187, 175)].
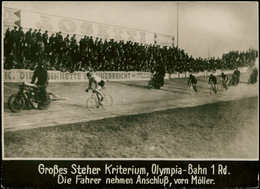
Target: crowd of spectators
[(24, 50)]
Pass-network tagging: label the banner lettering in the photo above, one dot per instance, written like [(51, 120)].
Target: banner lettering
[(86, 28), (102, 31), (131, 35), (142, 37), (67, 26), (30, 19), (45, 22), (20, 75)]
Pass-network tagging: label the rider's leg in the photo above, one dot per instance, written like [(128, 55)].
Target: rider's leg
[(194, 86), (212, 88), (43, 97), (98, 90), (224, 84), (215, 88), (99, 97)]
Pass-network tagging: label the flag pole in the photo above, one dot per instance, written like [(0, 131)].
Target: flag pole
[(177, 24)]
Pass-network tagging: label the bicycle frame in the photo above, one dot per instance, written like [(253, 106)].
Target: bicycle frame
[(213, 87), (94, 92), (106, 102)]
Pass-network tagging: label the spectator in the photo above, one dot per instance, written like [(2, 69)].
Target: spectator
[(66, 54)]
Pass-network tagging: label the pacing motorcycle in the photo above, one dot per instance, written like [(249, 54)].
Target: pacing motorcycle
[(28, 97)]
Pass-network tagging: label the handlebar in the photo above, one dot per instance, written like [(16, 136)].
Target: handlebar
[(30, 84)]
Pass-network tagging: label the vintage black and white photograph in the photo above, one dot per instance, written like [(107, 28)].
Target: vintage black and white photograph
[(130, 80)]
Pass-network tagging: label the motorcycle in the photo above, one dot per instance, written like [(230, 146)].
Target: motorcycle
[(27, 97)]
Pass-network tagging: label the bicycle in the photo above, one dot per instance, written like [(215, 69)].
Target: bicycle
[(93, 101), (224, 84), (212, 88), (193, 85)]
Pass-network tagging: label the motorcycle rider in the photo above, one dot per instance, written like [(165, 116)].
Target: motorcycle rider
[(40, 73)]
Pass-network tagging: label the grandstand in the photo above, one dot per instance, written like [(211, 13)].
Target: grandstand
[(102, 47)]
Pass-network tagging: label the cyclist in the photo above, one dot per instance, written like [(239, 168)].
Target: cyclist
[(212, 82), (95, 84), (192, 81), (224, 80)]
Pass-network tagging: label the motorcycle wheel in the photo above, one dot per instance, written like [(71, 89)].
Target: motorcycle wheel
[(16, 103)]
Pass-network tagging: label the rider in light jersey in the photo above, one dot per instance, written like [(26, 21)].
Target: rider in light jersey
[(96, 83)]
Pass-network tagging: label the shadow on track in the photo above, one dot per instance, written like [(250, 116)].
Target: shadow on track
[(176, 91), (134, 85)]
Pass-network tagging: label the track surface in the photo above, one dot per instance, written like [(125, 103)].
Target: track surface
[(129, 97)]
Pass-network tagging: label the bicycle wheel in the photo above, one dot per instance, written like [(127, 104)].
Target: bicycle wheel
[(16, 103), (214, 90), (224, 85), (92, 103), (107, 101)]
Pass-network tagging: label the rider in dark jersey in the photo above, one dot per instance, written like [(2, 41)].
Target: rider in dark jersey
[(224, 80), (213, 81), (192, 81)]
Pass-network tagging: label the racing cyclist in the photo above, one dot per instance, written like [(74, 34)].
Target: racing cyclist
[(192, 81), (224, 80), (95, 84), (212, 82)]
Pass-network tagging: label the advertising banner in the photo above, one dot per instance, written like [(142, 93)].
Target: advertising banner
[(34, 20), (20, 75), (165, 40)]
